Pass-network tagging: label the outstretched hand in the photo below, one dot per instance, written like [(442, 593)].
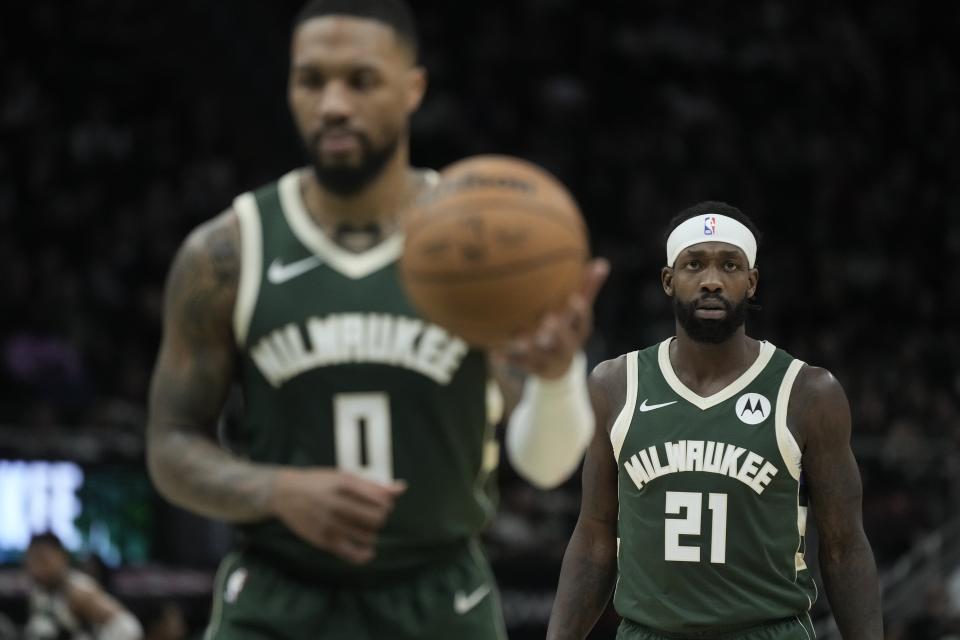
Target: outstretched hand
[(548, 351)]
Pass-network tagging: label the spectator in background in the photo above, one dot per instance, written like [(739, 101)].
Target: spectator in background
[(165, 621), (67, 604)]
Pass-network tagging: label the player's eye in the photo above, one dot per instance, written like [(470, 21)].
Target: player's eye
[(364, 80), (693, 265), (730, 265), (311, 80)]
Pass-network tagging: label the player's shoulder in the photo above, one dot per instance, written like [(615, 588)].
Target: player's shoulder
[(223, 227), (608, 383), (818, 404), (816, 382), (212, 247)]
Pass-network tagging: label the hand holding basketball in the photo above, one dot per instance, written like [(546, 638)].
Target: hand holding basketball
[(496, 248), (548, 351)]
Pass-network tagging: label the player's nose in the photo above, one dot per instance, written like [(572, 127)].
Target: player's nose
[(334, 103), (710, 280)]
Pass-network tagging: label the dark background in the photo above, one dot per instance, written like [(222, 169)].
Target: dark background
[(123, 124)]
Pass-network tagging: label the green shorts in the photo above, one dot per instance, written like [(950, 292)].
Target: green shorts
[(799, 628), (456, 599)]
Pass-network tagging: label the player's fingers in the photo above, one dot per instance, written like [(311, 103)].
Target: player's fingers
[(360, 534), (370, 492), (359, 515), (595, 274), (548, 335), (579, 317), (351, 550)]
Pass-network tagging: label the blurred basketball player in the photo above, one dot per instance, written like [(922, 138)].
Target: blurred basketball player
[(360, 473)]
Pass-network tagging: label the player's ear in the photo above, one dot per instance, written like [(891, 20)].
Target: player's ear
[(416, 87), (753, 277), (666, 279)]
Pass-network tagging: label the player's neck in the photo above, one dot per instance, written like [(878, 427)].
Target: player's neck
[(379, 203), (706, 368)]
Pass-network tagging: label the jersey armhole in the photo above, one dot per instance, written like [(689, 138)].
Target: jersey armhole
[(251, 265), (789, 449), (622, 424)]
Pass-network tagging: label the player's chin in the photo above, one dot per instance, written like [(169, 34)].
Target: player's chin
[(341, 160)]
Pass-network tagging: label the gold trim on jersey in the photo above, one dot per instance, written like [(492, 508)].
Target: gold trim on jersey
[(251, 263), (622, 424), (666, 368), (353, 265), (789, 449)]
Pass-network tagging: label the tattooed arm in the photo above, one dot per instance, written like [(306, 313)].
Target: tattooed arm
[(192, 377), (331, 509), (821, 416), (589, 569)]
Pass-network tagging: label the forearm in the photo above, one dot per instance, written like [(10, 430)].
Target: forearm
[(194, 473), (850, 580), (587, 578), (550, 429)]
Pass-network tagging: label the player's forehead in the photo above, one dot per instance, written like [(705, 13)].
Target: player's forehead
[(342, 41), (713, 251)]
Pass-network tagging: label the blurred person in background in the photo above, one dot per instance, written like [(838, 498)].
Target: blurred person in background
[(164, 621), (68, 604), (709, 447), (361, 467)]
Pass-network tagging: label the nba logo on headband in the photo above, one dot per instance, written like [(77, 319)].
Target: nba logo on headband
[(710, 226), (706, 228)]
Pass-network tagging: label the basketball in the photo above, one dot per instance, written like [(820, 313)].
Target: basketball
[(494, 246)]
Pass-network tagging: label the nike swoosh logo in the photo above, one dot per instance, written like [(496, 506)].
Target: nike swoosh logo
[(463, 603), (644, 407), (278, 273)]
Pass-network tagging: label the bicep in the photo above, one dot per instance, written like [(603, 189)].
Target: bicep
[(195, 365), (831, 472), (599, 480)]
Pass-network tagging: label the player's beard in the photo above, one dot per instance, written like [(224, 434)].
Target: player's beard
[(346, 180), (708, 330)]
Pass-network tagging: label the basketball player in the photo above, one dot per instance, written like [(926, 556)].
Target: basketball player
[(65, 603), (695, 489), (360, 471)]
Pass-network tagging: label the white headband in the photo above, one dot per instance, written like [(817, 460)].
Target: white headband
[(711, 227)]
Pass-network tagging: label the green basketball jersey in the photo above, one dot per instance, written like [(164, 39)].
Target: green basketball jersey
[(338, 370), (712, 508)]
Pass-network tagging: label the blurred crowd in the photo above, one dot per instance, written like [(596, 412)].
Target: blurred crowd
[(124, 124)]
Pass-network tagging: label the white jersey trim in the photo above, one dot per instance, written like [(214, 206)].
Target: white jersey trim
[(789, 449), (251, 264), (622, 424), (666, 368), (353, 265)]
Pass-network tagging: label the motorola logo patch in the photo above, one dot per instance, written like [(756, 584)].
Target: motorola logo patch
[(752, 408)]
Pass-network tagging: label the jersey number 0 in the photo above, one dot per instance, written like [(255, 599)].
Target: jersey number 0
[(361, 432)]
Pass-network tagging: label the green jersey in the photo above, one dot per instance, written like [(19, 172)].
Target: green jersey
[(712, 507), (338, 370)]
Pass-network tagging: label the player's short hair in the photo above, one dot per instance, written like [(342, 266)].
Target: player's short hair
[(713, 206), (396, 14), (47, 538)]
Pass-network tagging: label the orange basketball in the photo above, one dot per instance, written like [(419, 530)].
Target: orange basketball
[(493, 247)]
